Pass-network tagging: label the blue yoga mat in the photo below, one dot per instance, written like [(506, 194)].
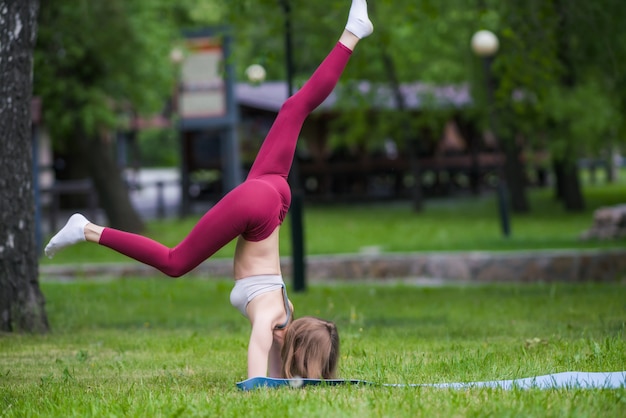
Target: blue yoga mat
[(582, 380)]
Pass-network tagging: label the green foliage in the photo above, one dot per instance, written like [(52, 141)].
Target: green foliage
[(585, 118), (164, 347), (560, 79), (92, 54), (561, 57), (159, 148), (93, 58)]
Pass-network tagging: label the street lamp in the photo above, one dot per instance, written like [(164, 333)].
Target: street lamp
[(297, 195), (485, 45), (256, 73), (177, 56)]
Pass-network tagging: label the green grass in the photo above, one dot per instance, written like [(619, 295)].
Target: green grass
[(459, 224), (159, 347)]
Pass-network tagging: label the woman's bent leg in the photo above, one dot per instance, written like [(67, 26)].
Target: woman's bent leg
[(220, 225)]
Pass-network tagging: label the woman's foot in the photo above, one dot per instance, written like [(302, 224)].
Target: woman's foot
[(359, 23), (72, 233)]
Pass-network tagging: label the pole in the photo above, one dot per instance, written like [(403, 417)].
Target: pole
[(297, 223), (501, 189)]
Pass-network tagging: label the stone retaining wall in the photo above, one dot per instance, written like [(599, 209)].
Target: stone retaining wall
[(479, 267), (571, 266)]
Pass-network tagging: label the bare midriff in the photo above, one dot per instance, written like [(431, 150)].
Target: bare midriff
[(253, 258)]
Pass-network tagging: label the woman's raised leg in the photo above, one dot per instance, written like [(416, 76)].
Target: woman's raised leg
[(276, 153)]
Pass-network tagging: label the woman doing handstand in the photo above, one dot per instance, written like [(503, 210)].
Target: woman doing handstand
[(253, 212)]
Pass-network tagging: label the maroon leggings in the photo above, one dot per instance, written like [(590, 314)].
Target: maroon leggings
[(257, 206)]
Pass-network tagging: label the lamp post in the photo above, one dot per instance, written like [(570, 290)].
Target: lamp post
[(485, 45), (297, 196)]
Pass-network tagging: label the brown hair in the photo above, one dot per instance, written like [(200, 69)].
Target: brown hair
[(311, 349)]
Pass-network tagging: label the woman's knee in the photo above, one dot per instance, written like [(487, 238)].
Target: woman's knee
[(293, 105), (175, 270)]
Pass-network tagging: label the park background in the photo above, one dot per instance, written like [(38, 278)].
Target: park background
[(394, 169)]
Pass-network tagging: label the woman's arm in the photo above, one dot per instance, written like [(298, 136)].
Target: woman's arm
[(259, 349), (275, 360)]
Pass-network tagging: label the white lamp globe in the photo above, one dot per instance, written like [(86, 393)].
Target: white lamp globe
[(485, 43), (177, 55), (256, 73)]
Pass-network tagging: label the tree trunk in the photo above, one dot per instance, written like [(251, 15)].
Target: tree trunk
[(21, 301), (94, 158), (392, 74), (472, 137), (71, 165), (112, 192), (568, 188), (566, 170), (557, 167)]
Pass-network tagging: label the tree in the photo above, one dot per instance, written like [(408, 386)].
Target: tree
[(558, 60), (588, 89), (94, 59), (21, 301), (563, 57)]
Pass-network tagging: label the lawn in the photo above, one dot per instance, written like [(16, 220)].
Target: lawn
[(453, 224), (162, 347)]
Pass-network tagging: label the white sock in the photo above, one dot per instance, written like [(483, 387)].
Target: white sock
[(359, 23), (72, 233)]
